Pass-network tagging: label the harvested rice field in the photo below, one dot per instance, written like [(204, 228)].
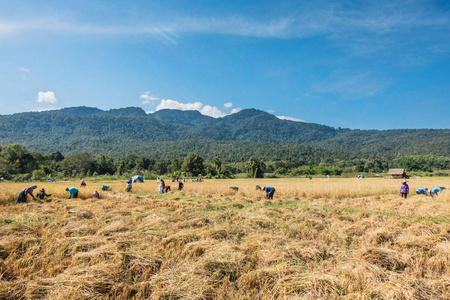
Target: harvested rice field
[(317, 239)]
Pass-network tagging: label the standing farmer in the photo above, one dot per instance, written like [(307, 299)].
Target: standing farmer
[(23, 194), (162, 186), (128, 186), (404, 189)]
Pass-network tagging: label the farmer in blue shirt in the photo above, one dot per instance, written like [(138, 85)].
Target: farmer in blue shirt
[(422, 191), (73, 192), (269, 192), (436, 190)]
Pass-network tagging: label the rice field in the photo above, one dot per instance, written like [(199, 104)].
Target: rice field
[(317, 239)]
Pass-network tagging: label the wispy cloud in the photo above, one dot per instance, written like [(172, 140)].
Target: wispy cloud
[(25, 70), (337, 20), (290, 119), (149, 98), (352, 85), (47, 97)]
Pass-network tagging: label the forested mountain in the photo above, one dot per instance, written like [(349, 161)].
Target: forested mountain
[(173, 133)]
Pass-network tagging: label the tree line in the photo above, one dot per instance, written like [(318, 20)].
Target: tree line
[(20, 164)]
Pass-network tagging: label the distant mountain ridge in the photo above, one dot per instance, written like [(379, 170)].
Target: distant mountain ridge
[(121, 131)]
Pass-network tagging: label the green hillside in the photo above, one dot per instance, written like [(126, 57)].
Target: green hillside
[(172, 133)]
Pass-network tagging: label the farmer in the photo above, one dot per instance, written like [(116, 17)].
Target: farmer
[(422, 191), (269, 192), (41, 194), (166, 188), (73, 192), (96, 195), (180, 185), (23, 194), (436, 190), (105, 187), (128, 187), (162, 186), (404, 189), (83, 183)]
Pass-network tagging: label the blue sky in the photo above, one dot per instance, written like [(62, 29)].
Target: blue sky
[(353, 64)]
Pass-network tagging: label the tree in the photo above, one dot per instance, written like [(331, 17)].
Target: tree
[(105, 165), (56, 156), (161, 167), (193, 164), (255, 168), (175, 165), (139, 165), (78, 164), (218, 164), (15, 159)]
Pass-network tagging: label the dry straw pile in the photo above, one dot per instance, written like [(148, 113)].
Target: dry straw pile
[(318, 239)]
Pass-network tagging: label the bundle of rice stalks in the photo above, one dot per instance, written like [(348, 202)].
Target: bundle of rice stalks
[(177, 241), (385, 258), (309, 286), (117, 226), (12, 290), (38, 289), (261, 280), (383, 236), (260, 222), (137, 268), (196, 222), (81, 213), (103, 254), (410, 289), (306, 251), (78, 229)]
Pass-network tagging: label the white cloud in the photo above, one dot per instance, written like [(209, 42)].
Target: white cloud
[(228, 105), (212, 111), (47, 97), (290, 119), (206, 110), (270, 111), (25, 70), (148, 98), (45, 109), (235, 110)]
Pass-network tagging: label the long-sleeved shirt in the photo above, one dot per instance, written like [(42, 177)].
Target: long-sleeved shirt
[(421, 191), (404, 189), (72, 192), (435, 190), (268, 190), (29, 190)]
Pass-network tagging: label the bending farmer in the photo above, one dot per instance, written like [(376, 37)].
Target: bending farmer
[(23, 194), (73, 192), (269, 192), (41, 194)]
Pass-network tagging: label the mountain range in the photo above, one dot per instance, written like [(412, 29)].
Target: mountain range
[(118, 132)]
